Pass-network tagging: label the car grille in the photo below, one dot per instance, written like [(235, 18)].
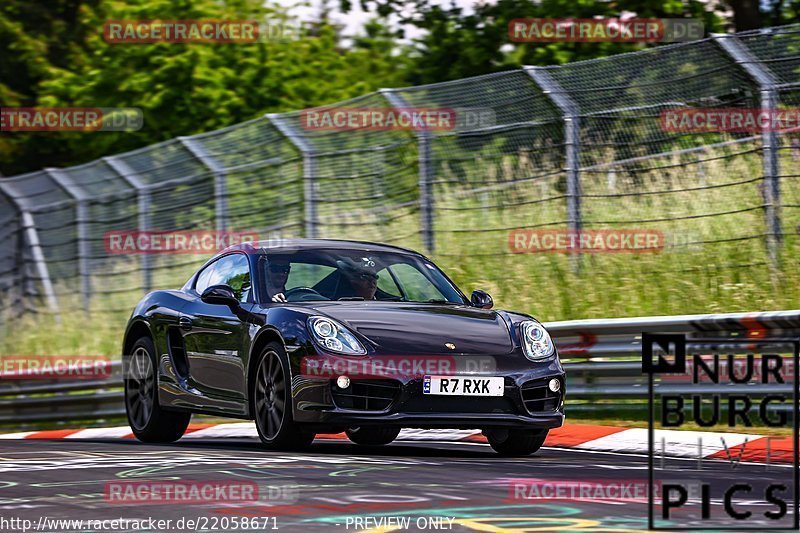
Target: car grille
[(366, 394), (538, 398)]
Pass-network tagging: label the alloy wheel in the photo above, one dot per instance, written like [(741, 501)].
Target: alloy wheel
[(140, 392), (270, 395)]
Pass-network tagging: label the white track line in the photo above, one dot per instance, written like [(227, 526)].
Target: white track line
[(676, 443)]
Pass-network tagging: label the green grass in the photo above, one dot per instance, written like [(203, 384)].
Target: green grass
[(713, 275)]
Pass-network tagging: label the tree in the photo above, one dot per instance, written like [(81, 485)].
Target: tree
[(746, 14), (457, 44), (60, 59)]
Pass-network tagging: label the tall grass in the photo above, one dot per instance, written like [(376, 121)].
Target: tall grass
[(717, 264)]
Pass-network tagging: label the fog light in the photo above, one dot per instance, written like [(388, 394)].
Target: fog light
[(343, 382), (554, 385)]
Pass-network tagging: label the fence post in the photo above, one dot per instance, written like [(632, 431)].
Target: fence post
[(27, 287), (220, 179), (425, 192), (570, 115), (143, 200), (309, 171), (32, 237), (20, 283), (82, 219), (768, 96), (425, 159)]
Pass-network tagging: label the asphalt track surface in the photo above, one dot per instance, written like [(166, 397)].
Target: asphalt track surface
[(457, 486)]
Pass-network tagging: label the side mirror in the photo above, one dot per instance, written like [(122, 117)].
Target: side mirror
[(219, 295), (481, 299)]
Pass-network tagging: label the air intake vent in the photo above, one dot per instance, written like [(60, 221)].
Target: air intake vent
[(538, 398), (177, 351), (366, 395)]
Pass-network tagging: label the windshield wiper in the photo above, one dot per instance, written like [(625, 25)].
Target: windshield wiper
[(439, 301), (352, 298)]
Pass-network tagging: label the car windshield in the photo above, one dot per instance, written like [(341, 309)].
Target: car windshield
[(331, 274)]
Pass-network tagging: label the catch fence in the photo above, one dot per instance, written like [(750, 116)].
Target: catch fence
[(578, 147)]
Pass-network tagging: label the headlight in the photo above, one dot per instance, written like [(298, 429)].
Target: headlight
[(536, 342), (334, 337)]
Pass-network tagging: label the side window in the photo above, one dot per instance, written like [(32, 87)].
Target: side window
[(205, 277), (232, 270)]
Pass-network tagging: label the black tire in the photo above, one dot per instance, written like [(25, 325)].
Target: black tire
[(372, 436), (272, 405), (516, 442), (148, 421)]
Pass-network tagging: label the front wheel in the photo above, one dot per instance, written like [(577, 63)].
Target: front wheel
[(516, 442), (273, 404), (372, 436), (149, 422)]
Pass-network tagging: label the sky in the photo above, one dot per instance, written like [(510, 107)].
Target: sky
[(353, 21)]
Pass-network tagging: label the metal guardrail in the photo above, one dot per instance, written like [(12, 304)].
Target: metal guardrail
[(615, 337), (24, 401), (602, 358)]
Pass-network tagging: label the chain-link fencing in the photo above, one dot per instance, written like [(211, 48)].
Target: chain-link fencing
[(578, 147)]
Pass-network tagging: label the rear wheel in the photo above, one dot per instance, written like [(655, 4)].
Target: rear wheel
[(516, 442), (272, 403), (149, 422), (372, 436)]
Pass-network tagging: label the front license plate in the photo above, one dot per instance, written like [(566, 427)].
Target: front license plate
[(463, 386)]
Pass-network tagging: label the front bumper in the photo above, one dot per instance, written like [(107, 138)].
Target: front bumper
[(443, 420), (399, 401)]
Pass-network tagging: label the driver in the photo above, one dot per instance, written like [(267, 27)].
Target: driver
[(276, 280), (361, 275)]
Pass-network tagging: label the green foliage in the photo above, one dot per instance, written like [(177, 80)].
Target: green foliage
[(60, 59), (56, 56), (457, 45)]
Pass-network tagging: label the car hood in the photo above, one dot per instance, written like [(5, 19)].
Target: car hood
[(408, 328)]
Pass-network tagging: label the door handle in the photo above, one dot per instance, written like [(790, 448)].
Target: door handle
[(185, 323)]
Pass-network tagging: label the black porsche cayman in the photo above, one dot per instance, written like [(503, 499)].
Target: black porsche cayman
[(313, 336)]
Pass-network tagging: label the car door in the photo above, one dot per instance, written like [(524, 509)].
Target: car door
[(215, 338)]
